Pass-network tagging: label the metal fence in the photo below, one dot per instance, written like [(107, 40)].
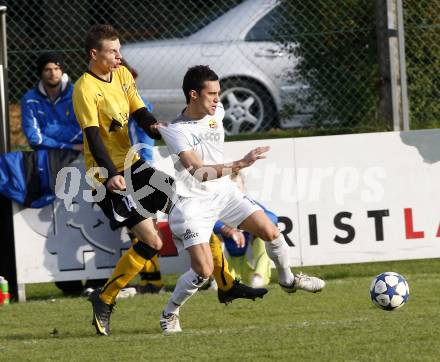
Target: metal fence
[(310, 64), (422, 37)]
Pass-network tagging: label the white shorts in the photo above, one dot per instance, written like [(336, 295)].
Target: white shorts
[(192, 219)]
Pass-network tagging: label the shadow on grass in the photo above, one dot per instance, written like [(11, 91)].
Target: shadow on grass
[(54, 333), (47, 291), (342, 271)]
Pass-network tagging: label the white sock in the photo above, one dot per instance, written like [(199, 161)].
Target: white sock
[(186, 286), (277, 250)]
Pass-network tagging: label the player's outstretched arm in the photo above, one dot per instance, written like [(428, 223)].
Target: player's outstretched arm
[(194, 164), (147, 122)]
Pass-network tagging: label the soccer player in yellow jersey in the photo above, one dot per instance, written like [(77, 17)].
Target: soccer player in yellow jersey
[(104, 98)]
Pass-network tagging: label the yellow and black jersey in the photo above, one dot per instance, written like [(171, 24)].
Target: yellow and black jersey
[(107, 105)]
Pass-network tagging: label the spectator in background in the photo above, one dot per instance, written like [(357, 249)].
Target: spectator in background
[(47, 115), (49, 122)]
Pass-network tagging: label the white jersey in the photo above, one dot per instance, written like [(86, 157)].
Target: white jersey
[(206, 138)]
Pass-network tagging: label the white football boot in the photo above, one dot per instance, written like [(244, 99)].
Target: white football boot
[(170, 323), (304, 282)]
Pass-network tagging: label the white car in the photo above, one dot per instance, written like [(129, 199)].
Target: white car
[(238, 46)]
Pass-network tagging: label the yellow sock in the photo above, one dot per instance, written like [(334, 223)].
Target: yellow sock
[(222, 275), (261, 260), (128, 266), (150, 274)]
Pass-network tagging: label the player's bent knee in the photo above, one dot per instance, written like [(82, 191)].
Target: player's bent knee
[(145, 250), (204, 271), (155, 242), (152, 239), (269, 233)]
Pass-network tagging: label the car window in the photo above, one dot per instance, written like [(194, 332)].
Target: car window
[(202, 16), (272, 27)]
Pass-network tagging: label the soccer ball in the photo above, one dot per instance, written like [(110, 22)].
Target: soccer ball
[(389, 291)]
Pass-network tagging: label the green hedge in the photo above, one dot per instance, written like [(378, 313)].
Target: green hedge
[(338, 48)]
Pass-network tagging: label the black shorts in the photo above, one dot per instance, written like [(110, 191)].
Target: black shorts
[(150, 191)]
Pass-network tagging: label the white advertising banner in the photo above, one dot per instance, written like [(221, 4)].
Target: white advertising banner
[(371, 197), (272, 183), (339, 199)]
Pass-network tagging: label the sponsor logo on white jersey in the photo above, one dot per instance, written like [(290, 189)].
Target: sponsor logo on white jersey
[(190, 235)]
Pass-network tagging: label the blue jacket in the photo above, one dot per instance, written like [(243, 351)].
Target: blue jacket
[(29, 177), (138, 135), (50, 125)]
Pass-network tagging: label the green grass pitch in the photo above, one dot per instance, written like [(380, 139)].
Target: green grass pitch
[(338, 324)]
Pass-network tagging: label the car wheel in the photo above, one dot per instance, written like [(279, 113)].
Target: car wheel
[(248, 107)]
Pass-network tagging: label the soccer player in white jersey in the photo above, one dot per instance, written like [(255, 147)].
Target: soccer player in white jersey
[(207, 194)]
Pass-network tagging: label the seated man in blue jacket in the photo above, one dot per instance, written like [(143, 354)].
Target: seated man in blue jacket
[(49, 122), (47, 115)]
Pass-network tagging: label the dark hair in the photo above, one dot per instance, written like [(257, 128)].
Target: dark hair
[(195, 77), (49, 57), (97, 34)]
